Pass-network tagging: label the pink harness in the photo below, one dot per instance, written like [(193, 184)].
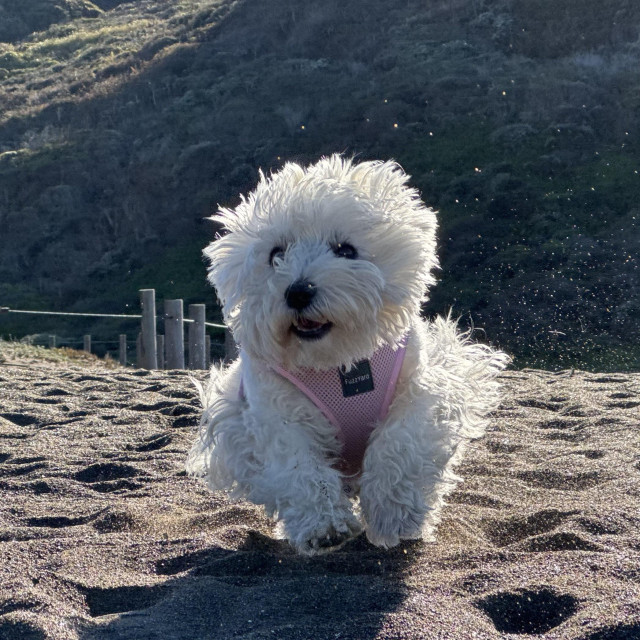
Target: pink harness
[(354, 401)]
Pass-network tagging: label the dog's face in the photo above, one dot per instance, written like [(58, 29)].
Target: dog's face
[(322, 265)]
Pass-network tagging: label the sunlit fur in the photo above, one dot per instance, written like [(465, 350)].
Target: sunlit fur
[(270, 444)]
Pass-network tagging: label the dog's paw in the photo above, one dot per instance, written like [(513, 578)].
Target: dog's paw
[(326, 537), (387, 533), (330, 541), (389, 521)]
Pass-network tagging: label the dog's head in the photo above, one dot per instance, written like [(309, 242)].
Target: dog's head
[(320, 266)]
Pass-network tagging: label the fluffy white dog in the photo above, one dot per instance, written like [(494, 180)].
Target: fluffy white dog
[(344, 410)]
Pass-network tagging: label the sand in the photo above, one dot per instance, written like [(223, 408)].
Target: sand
[(102, 535)]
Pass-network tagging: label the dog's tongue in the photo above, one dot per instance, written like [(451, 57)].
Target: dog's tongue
[(308, 325)]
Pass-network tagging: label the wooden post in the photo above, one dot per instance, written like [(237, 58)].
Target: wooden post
[(123, 349), (139, 351), (207, 350), (230, 346), (174, 334), (52, 342), (149, 347), (160, 343), (87, 343), (196, 337)]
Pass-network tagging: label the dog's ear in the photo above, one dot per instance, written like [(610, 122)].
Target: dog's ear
[(386, 185), (227, 257)]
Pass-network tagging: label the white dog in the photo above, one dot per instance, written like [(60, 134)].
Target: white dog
[(344, 409)]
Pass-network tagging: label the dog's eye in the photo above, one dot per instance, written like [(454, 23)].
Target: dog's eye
[(276, 252), (345, 250)]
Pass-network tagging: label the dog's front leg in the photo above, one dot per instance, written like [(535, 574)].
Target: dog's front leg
[(404, 465), (316, 515), (291, 475)]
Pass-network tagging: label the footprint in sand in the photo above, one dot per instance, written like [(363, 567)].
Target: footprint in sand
[(108, 477), (551, 479), (532, 611), (53, 396), (59, 522), (561, 541), (23, 466), (503, 532), (623, 405), (576, 425), (116, 520), (617, 632), (154, 443), (20, 419), (532, 403), (104, 601)]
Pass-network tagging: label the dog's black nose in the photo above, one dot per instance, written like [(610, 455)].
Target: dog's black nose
[(300, 294)]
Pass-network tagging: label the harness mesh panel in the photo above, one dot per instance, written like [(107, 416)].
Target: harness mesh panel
[(356, 416)]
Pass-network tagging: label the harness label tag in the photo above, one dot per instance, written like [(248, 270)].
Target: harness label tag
[(358, 380)]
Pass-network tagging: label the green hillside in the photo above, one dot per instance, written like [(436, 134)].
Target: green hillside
[(124, 124)]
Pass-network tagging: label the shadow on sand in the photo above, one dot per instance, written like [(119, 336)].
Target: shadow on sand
[(263, 590)]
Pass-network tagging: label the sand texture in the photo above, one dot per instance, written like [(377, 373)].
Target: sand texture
[(103, 536)]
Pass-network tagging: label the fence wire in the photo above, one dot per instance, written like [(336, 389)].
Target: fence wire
[(129, 316)]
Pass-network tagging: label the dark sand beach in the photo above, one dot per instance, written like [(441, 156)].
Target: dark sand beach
[(103, 536)]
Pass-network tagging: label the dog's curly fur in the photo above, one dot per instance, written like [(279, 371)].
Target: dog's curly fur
[(269, 443)]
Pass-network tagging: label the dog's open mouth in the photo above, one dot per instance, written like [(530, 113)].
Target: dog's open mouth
[(310, 329)]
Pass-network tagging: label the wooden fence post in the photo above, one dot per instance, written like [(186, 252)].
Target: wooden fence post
[(139, 351), (87, 343), (196, 337), (52, 342), (149, 347), (160, 343), (123, 349), (174, 334), (207, 350)]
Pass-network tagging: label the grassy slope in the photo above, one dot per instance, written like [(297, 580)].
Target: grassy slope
[(123, 131)]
